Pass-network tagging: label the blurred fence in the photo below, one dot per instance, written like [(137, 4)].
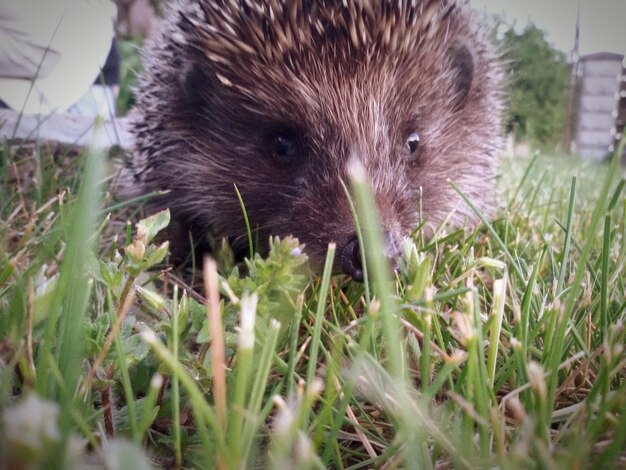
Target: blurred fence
[(598, 114)]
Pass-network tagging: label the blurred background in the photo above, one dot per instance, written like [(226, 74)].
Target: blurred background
[(567, 80), (566, 87), (565, 59)]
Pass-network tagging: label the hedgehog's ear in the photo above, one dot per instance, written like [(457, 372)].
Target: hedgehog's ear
[(461, 61), (195, 82)]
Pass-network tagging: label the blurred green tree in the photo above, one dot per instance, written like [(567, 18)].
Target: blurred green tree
[(537, 86)]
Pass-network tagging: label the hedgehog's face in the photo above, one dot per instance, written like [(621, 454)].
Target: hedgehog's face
[(301, 186), (286, 146), (281, 120)]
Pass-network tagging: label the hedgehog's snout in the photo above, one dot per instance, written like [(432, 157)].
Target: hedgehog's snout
[(350, 258)]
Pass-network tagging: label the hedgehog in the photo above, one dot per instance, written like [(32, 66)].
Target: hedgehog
[(272, 100)]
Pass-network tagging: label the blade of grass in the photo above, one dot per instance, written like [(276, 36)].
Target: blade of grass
[(175, 405), (604, 283), (568, 237), (80, 225), (319, 314), (616, 194), (556, 347), (65, 331), (214, 315), (203, 413), (379, 267), (359, 234), (257, 393), (497, 313), (121, 363), (247, 221), (530, 166), (295, 327), (149, 411), (245, 354), (512, 261), (426, 347)]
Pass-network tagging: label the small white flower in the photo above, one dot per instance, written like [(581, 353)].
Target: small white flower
[(32, 425)]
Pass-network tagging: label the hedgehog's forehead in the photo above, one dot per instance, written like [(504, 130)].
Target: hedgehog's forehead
[(270, 32), (322, 91)]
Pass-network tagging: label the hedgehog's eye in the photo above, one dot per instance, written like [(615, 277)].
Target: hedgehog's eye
[(412, 143), (284, 146)]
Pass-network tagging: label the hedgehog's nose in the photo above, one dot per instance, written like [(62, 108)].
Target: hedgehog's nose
[(350, 259), (350, 255)]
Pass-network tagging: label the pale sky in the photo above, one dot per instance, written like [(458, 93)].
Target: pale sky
[(602, 22)]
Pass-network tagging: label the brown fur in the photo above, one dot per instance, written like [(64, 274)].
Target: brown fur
[(343, 79)]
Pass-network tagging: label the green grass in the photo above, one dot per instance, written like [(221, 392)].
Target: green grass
[(130, 67), (501, 347)]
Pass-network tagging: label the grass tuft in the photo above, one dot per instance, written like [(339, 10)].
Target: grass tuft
[(498, 347)]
